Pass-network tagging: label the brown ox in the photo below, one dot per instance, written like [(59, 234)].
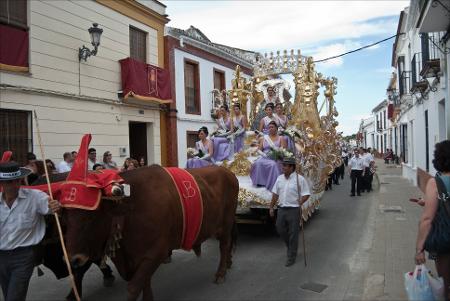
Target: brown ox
[(153, 224)]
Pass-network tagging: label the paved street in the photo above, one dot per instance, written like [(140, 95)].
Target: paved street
[(353, 247)]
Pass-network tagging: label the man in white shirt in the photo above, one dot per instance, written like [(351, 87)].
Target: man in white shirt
[(22, 226), (368, 177), (356, 172), (92, 158), (290, 190), (66, 164)]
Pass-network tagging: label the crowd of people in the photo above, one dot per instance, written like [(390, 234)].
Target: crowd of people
[(37, 166), (361, 169)]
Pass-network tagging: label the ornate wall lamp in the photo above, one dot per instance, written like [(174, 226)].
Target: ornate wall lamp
[(96, 33), (421, 89)]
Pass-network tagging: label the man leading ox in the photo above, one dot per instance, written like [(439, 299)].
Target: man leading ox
[(22, 226), (290, 190)]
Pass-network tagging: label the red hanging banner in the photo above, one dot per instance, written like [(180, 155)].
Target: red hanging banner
[(13, 48), (145, 81)]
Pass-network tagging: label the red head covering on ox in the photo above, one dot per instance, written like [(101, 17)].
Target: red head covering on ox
[(75, 192)]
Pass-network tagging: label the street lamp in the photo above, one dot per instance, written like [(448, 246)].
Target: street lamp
[(96, 33)]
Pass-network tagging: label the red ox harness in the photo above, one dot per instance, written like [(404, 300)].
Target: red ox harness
[(191, 205), (81, 189)]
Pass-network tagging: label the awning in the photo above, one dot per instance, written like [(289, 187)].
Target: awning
[(145, 82)]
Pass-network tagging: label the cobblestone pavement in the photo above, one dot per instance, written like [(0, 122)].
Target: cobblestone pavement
[(358, 247)]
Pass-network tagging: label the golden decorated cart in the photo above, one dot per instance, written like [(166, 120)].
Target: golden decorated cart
[(312, 128)]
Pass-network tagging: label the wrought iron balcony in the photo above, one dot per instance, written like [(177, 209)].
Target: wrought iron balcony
[(416, 67), (430, 53), (405, 83)]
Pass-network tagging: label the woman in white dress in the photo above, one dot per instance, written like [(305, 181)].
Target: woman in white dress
[(264, 122), (238, 126), (204, 148), (282, 124), (222, 145)]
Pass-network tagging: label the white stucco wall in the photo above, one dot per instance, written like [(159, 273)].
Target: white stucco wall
[(414, 117), (191, 122), (63, 121), (57, 30)]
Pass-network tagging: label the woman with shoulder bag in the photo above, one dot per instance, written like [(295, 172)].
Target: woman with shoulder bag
[(434, 225)]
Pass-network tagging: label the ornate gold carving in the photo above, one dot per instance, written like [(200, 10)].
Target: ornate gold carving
[(240, 165), (317, 143)]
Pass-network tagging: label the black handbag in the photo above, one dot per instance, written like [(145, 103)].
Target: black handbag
[(438, 239)]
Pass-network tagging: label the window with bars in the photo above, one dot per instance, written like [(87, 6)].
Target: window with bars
[(192, 88), (16, 133), (138, 44), (14, 13)]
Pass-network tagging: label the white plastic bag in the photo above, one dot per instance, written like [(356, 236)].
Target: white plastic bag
[(417, 284), (437, 286)]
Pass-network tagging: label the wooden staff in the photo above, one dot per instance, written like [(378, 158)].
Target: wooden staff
[(301, 217), (301, 207), (61, 237)]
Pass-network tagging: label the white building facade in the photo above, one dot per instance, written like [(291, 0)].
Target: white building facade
[(383, 136), (367, 130), (72, 97), (420, 89), (198, 66)]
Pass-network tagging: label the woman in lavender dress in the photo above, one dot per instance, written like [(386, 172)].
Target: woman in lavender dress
[(282, 124), (264, 122), (222, 147), (265, 171), (238, 127), (206, 147)]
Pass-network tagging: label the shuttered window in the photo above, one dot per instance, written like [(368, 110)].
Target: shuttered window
[(14, 13), (138, 44), (219, 80), (191, 137), (16, 133), (191, 87)]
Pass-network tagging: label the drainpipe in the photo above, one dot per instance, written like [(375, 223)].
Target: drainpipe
[(447, 98)]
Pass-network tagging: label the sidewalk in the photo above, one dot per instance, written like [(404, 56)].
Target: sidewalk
[(392, 247)]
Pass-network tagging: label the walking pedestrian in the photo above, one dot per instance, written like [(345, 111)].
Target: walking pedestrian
[(22, 227), (369, 162), (345, 156), (290, 191), (335, 176), (434, 232), (356, 172)]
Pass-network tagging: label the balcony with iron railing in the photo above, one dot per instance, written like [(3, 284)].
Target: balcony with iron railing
[(419, 84), (405, 83), (430, 53), (416, 67)]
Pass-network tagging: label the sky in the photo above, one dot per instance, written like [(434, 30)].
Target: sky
[(318, 28)]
